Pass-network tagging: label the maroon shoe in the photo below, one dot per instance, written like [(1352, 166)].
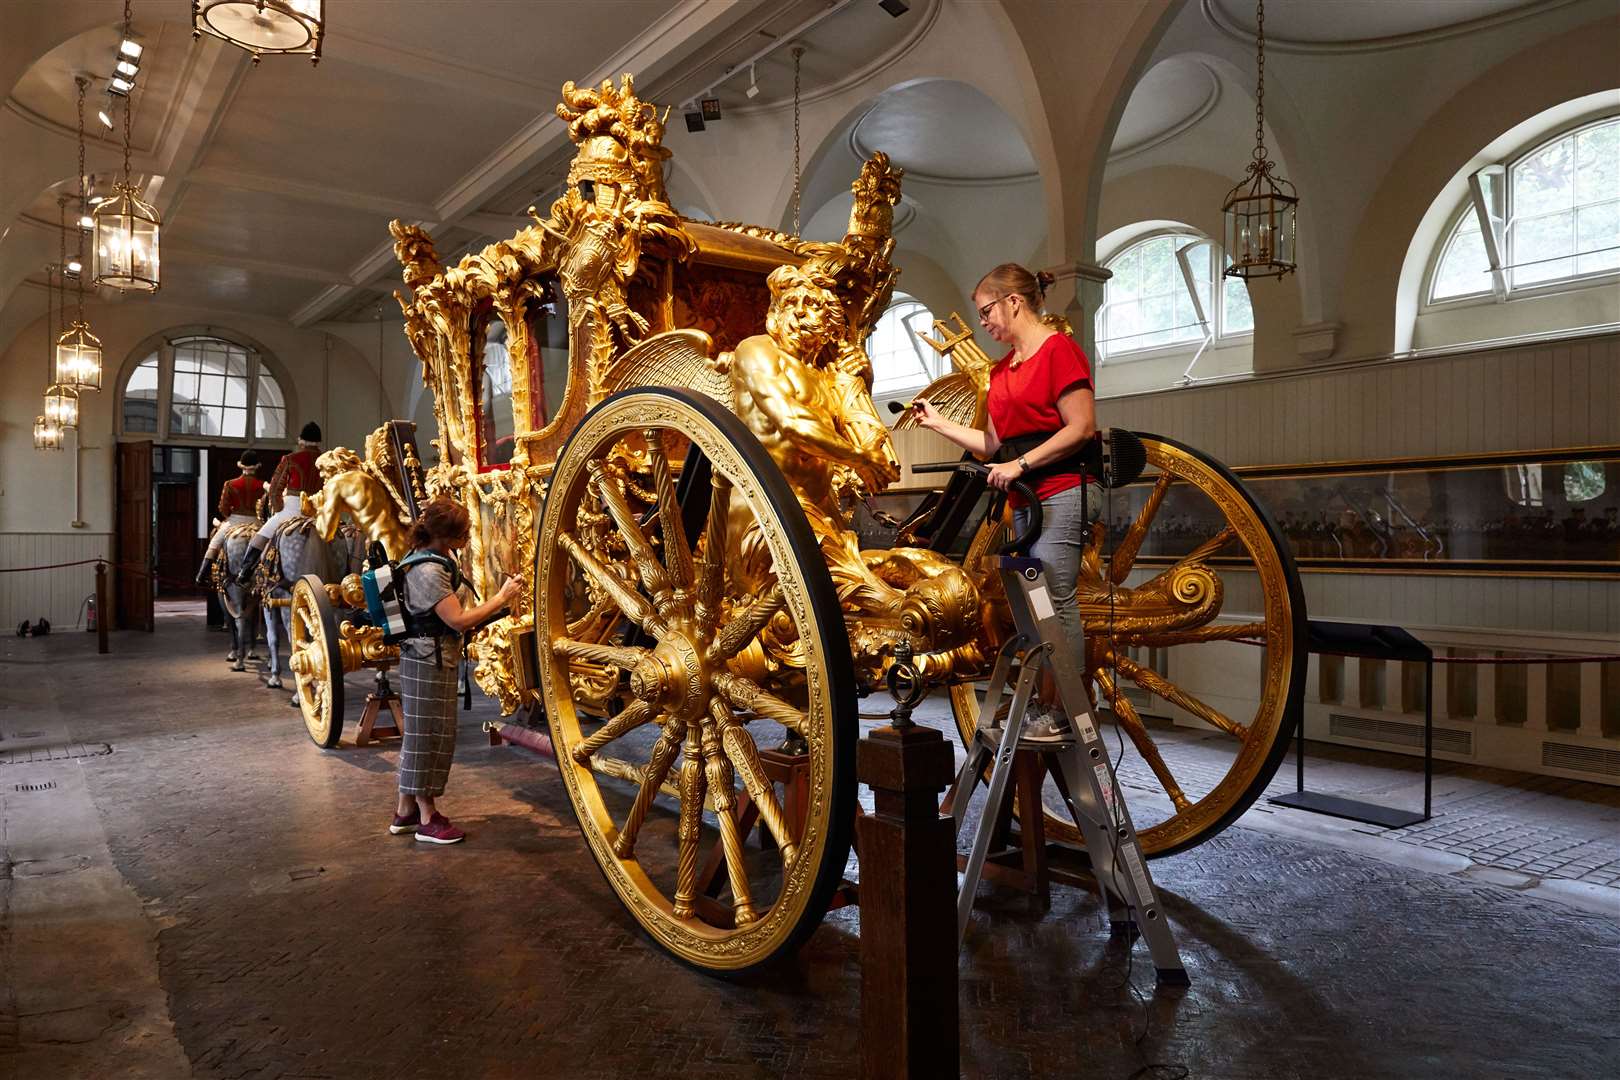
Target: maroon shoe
[(438, 830), (404, 823)]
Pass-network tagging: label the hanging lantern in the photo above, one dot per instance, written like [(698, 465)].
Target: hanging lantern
[(78, 358), (126, 226), (62, 406), (1261, 210), (289, 27), (127, 241), (47, 434)]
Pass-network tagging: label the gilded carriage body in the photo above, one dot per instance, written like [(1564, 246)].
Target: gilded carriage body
[(666, 426)]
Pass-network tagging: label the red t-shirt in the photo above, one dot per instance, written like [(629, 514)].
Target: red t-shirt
[(1023, 399)]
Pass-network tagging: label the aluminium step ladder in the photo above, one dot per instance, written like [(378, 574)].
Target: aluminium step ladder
[(1084, 772)]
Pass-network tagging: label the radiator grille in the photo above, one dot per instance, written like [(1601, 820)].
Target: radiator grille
[(1399, 733), (1597, 760)]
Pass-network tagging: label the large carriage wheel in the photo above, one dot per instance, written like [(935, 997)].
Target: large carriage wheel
[(734, 663), (1198, 789), (317, 661)]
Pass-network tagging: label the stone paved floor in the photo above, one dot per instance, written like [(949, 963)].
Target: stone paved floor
[(216, 898)]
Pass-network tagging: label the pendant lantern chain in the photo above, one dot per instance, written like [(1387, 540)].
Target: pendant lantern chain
[(84, 202), (1260, 81), (127, 100), (798, 55)]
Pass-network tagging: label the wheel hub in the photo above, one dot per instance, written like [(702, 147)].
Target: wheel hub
[(674, 676)]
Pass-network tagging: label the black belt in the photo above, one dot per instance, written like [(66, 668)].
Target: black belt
[(1081, 462)]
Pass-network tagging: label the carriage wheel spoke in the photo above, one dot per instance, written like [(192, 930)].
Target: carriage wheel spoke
[(739, 747), (629, 601), (1125, 554), (1195, 635), (653, 574), (617, 655), (718, 774), (1127, 716), (749, 696), (1209, 547), (711, 570), (677, 553), (629, 718), (652, 779), (1153, 682), (689, 830), (746, 624)]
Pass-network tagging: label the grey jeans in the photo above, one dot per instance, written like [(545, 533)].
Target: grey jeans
[(1063, 535)]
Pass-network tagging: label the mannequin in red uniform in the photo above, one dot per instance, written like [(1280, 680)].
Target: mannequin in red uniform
[(236, 501), (295, 476)]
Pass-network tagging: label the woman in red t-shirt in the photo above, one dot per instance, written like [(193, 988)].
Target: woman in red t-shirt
[(1042, 413)]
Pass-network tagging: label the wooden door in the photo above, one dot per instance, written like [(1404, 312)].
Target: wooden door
[(132, 549), (177, 556)]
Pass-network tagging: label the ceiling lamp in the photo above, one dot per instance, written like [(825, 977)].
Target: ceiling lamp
[(47, 435), (292, 27), (61, 406), (1261, 210), (78, 351), (126, 225)]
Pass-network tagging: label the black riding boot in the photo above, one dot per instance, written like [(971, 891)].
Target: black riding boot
[(205, 572), (250, 560)]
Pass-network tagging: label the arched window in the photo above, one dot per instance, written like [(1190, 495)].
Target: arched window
[(1163, 295), (1549, 216), (900, 359), (203, 388)]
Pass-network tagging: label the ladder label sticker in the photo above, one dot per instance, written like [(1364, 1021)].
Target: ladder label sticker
[(1138, 872), (1106, 786), (1041, 601), (1083, 724)]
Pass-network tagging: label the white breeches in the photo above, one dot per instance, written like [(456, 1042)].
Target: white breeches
[(290, 508), (218, 539)]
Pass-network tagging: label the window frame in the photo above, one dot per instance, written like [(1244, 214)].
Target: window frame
[(1494, 212), (1219, 336), (939, 367), (163, 345)]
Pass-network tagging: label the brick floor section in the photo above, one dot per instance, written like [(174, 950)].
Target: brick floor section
[(299, 940)]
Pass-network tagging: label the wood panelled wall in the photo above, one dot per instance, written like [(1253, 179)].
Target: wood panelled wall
[(54, 595), (1550, 395)]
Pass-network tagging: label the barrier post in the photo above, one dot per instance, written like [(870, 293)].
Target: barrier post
[(102, 612), (908, 907)]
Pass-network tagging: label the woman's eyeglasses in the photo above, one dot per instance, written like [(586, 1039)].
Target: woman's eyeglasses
[(984, 312)]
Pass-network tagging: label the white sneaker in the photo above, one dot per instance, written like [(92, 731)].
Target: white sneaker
[(1048, 727)]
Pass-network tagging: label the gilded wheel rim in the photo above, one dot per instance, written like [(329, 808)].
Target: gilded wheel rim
[(1165, 608), (734, 679), (316, 661)]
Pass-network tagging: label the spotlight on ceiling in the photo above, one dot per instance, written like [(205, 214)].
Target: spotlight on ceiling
[(106, 120), (130, 49), (74, 266), (753, 87), (120, 86), (711, 109), (86, 221), (694, 119), (896, 8), (126, 69)]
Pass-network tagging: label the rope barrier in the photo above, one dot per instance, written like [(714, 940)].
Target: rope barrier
[(132, 567)]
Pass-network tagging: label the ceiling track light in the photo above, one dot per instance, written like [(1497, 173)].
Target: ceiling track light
[(753, 84), (896, 8)]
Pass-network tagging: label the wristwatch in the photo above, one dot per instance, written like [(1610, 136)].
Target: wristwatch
[(1023, 463)]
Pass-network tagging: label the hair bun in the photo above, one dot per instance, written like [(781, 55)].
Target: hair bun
[(1044, 279)]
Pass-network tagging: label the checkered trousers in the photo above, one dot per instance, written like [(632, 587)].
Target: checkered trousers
[(428, 693)]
